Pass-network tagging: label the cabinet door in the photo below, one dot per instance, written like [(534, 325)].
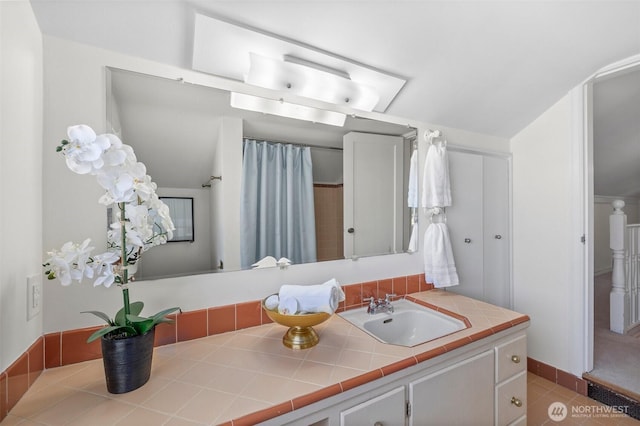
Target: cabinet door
[(465, 221), (388, 409), (462, 394)]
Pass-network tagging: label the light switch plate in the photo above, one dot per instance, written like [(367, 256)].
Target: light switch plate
[(34, 296)]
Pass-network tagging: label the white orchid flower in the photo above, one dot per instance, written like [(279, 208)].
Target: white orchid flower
[(120, 181), (103, 264), (83, 153), (72, 262)]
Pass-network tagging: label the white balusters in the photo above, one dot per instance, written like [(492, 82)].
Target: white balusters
[(619, 297), (632, 260)]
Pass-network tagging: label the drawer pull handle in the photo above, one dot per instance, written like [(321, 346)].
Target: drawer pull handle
[(378, 424), (515, 401), (515, 359)]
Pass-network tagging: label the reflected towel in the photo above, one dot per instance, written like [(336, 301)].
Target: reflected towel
[(439, 266), (315, 298), (412, 193), (413, 240), (436, 188)]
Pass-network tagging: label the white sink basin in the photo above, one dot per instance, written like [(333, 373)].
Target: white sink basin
[(409, 325)]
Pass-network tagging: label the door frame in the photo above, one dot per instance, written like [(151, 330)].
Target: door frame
[(583, 209)]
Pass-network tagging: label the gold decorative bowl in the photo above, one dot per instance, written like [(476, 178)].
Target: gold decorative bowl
[(300, 334)]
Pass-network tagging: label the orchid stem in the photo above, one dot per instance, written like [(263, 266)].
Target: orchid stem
[(123, 258)]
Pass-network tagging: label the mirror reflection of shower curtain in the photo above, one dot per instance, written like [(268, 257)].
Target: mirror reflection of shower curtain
[(277, 208)]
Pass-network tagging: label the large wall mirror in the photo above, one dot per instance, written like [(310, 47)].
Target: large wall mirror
[(192, 142)]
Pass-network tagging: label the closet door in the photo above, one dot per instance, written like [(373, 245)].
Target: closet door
[(479, 224), (465, 221), (497, 226)]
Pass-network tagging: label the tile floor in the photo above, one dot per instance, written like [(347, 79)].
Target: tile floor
[(541, 393), (65, 396)]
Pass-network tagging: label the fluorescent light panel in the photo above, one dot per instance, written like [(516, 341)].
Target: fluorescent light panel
[(310, 82), (286, 109)]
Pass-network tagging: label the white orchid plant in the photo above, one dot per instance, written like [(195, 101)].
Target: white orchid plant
[(143, 221)]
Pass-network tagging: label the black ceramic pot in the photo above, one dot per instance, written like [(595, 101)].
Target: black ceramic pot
[(127, 362)]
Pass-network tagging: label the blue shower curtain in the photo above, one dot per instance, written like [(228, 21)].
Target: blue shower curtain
[(277, 211)]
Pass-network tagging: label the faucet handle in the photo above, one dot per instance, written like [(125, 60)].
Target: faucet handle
[(388, 297), (371, 300)]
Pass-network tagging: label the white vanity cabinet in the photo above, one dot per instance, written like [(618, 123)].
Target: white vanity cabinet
[(481, 383)]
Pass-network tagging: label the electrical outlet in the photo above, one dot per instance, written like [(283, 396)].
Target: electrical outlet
[(34, 296)]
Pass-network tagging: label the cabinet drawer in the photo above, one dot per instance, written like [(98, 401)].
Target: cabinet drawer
[(511, 358), (511, 399)]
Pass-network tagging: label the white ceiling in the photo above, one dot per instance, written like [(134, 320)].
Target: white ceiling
[(485, 66)]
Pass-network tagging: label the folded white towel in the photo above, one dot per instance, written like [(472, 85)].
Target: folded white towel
[(439, 266), (436, 188), (412, 192), (315, 298)]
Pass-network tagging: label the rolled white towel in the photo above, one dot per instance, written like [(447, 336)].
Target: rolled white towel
[(288, 306), (315, 298), (272, 302)]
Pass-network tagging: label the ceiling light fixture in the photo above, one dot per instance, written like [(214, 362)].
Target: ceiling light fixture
[(228, 49), (286, 109)]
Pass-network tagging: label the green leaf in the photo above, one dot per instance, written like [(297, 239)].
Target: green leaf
[(135, 307), (161, 315), (100, 315), (141, 324), (107, 330)]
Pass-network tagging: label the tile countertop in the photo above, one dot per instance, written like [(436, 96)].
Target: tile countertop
[(284, 380), (248, 376)]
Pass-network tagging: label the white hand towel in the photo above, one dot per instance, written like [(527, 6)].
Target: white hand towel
[(413, 240), (267, 262), (436, 188), (315, 298), (439, 266), (412, 192)]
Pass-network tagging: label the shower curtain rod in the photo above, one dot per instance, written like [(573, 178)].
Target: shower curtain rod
[(333, 148)]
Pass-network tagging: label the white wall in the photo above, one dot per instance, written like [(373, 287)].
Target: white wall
[(20, 175), (542, 227), (602, 209), (182, 256), (74, 78)]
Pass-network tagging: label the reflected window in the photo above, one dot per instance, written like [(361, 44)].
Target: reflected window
[(181, 211)]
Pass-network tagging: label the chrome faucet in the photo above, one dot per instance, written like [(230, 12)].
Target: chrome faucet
[(380, 305)]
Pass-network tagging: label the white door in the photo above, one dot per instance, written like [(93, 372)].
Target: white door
[(373, 194), (497, 225), (479, 225), (465, 221)]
